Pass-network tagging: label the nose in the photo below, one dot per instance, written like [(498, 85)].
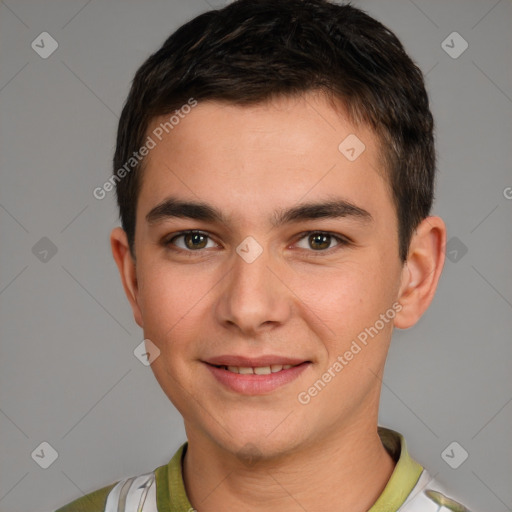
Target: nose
[(254, 297)]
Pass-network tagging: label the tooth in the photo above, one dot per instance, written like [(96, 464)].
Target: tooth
[(276, 367), (233, 369), (262, 370), (286, 366), (245, 371)]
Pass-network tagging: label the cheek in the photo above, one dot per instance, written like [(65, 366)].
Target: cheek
[(174, 308), (172, 302), (343, 292), (347, 299)]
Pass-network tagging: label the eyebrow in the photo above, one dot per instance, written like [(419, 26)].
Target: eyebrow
[(173, 207)]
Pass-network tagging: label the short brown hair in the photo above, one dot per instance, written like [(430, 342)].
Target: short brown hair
[(253, 50)]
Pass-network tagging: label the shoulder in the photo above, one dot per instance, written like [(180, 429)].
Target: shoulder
[(134, 493), (139, 492), (430, 495), (93, 502)]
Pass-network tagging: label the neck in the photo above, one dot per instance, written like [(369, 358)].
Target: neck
[(345, 470)]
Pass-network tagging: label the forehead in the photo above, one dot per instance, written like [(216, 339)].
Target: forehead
[(288, 149)]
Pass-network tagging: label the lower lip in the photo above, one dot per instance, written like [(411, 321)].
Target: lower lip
[(253, 384)]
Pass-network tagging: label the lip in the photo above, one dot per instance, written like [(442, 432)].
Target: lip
[(267, 360), (253, 384)]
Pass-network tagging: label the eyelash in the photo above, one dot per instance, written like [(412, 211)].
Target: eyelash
[(342, 241)]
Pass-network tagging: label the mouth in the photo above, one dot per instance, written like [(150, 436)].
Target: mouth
[(257, 370), (255, 376)]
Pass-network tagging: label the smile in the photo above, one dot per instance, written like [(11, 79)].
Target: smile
[(258, 370), (256, 380)]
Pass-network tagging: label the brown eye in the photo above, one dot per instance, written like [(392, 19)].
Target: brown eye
[(195, 240), (319, 241), (192, 240)]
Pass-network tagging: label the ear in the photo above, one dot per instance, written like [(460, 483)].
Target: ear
[(421, 271), (126, 265)]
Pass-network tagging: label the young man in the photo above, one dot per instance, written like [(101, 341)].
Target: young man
[(274, 172)]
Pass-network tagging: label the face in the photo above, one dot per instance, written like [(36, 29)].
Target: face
[(293, 259)]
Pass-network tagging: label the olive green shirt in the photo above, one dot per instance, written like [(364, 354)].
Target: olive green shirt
[(410, 488)]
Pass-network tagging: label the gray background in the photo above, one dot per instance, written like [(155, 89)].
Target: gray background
[(68, 373)]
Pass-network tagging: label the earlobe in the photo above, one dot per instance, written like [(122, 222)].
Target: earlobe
[(421, 271), (127, 270)]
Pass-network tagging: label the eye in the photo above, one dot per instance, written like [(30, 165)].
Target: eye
[(192, 240), (320, 241), (195, 241)]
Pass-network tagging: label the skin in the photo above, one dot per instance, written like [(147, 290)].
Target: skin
[(270, 452)]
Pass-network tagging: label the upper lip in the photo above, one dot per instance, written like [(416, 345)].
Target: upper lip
[(253, 362)]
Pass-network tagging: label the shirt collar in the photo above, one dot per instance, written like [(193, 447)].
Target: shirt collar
[(172, 496)]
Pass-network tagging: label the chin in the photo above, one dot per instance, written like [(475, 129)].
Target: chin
[(255, 445)]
